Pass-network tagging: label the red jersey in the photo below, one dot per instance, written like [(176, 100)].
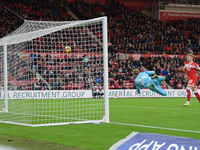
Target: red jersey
[(191, 69)]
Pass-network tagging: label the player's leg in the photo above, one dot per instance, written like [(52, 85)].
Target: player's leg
[(157, 89), (157, 83), (196, 93), (154, 85), (161, 91), (159, 78), (194, 89), (189, 93), (192, 86)]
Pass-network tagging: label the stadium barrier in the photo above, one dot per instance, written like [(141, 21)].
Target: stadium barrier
[(120, 93)]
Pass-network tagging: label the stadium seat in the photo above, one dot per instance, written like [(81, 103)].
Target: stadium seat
[(125, 81), (34, 79), (111, 87), (63, 87), (111, 79), (24, 83), (128, 86), (50, 80)]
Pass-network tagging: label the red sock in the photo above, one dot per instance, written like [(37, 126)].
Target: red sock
[(197, 95), (188, 94)]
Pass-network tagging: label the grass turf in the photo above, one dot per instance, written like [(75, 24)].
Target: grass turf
[(156, 112)]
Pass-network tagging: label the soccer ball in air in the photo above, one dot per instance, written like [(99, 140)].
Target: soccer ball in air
[(67, 49)]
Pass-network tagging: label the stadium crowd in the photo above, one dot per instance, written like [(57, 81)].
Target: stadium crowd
[(130, 31), (31, 10)]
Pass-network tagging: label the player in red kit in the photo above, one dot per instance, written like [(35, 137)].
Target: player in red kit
[(191, 69)]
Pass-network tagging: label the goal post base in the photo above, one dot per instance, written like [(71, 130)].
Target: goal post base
[(4, 111), (52, 124)]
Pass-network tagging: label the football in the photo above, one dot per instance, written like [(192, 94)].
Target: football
[(67, 49)]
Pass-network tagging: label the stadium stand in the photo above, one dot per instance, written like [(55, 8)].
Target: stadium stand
[(130, 31)]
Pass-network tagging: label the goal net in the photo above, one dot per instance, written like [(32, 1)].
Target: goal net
[(42, 84)]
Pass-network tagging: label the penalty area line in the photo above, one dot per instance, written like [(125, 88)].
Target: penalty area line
[(153, 127)]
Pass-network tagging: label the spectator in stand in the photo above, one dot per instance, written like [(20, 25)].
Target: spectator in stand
[(123, 87), (126, 76), (98, 80), (175, 83), (118, 77), (116, 85), (54, 84), (120, 82), (179, 85), (90, 80), (131, 80), (164, 71), (120, 70), (157, 71), (21, 87), (112, 82), (111, 75), (44, 85)]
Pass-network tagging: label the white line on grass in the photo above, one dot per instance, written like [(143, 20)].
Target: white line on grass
[(155, 107), (162, 128)]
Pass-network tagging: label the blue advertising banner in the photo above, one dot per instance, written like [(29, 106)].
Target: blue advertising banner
[(151, 141)]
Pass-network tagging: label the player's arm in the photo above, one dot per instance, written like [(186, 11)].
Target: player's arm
[(198, 68), (182, 69), (150, 73), (138, 89)]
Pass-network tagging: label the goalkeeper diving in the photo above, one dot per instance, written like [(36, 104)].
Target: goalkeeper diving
[(143, 79)]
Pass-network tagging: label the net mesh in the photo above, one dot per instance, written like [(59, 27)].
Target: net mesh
[(48, 85), (30, 26)]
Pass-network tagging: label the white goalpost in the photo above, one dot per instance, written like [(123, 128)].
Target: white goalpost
[(41, 84)]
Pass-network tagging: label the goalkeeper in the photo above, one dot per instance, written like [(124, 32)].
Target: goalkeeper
[(143, 79)]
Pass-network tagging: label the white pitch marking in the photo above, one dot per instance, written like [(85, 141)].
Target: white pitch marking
[(155, 107), (162, 128)]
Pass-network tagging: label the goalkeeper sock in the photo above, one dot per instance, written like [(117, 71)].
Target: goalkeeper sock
[(188, 94), (197, 95)]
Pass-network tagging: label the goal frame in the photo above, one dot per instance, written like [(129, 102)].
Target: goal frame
[(19, 38)]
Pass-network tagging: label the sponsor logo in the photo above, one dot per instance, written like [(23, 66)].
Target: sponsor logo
[(88, 94), (177, 15), (151, 141)]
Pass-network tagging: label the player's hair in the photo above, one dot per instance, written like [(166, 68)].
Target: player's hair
[(136, 72), (192, 55)]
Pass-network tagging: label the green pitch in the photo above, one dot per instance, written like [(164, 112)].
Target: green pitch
[(155, 115)]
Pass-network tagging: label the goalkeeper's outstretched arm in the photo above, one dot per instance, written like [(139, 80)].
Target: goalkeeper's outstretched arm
[(150, 73)]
